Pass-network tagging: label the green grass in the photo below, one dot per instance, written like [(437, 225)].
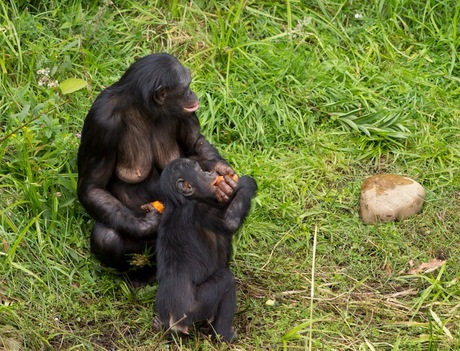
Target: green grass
[(309, 97)]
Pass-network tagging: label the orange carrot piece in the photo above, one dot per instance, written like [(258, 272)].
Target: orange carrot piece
[(221, 178), (157, 205)]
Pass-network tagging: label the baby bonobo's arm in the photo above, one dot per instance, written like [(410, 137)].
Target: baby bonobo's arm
[(240, 204)]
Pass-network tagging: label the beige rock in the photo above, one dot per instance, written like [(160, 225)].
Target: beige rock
[(390, 197)]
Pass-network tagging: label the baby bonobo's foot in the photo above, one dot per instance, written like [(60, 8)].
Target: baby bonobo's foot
[(174, 331), (229, 336), (157, 325)]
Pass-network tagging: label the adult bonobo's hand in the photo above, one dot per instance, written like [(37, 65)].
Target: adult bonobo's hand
[(225, 189), (222, 168), (147, 226)]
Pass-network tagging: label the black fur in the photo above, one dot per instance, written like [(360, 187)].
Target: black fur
[(194, 248), (133, 130)]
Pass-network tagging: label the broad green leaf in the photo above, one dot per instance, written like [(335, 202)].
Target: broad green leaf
[(71, 85)]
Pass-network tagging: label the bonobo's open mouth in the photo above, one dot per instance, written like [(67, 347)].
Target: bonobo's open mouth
[(192, 108)]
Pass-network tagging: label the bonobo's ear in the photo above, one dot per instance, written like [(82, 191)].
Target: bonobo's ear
[(184, 187), (160, 95)]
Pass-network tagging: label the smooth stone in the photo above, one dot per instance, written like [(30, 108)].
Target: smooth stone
[(390, 197)]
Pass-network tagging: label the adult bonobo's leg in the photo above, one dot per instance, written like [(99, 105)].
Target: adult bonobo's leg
[(115, 250)]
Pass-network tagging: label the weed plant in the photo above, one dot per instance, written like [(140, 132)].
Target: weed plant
[(309, 97)]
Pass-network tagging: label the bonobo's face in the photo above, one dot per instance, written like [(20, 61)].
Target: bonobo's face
[(201, 184), (188, 97), (185, 177), (178, 100), (205, 182)]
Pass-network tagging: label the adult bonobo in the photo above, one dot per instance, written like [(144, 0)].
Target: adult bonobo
[(194, 247), (132, 131)]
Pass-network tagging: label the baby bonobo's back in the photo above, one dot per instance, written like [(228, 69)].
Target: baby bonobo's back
[(194, 246)]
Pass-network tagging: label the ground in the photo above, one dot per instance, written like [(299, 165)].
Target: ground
[(309, 98)]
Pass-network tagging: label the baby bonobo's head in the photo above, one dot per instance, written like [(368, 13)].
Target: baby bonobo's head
[(183, 180)]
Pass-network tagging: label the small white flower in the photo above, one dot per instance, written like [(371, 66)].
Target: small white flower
[(44, 78), (52, 84), (44, 72), (358, 16)]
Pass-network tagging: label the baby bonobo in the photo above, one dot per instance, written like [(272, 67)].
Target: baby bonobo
[(194, 248)]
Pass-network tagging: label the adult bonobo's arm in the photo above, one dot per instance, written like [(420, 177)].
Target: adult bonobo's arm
[(96, 164), (198, 148), (209, 158), (240, 204)]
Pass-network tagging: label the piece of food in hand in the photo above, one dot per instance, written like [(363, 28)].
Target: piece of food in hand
[(218, 180), (157, 205), (221, 178)]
